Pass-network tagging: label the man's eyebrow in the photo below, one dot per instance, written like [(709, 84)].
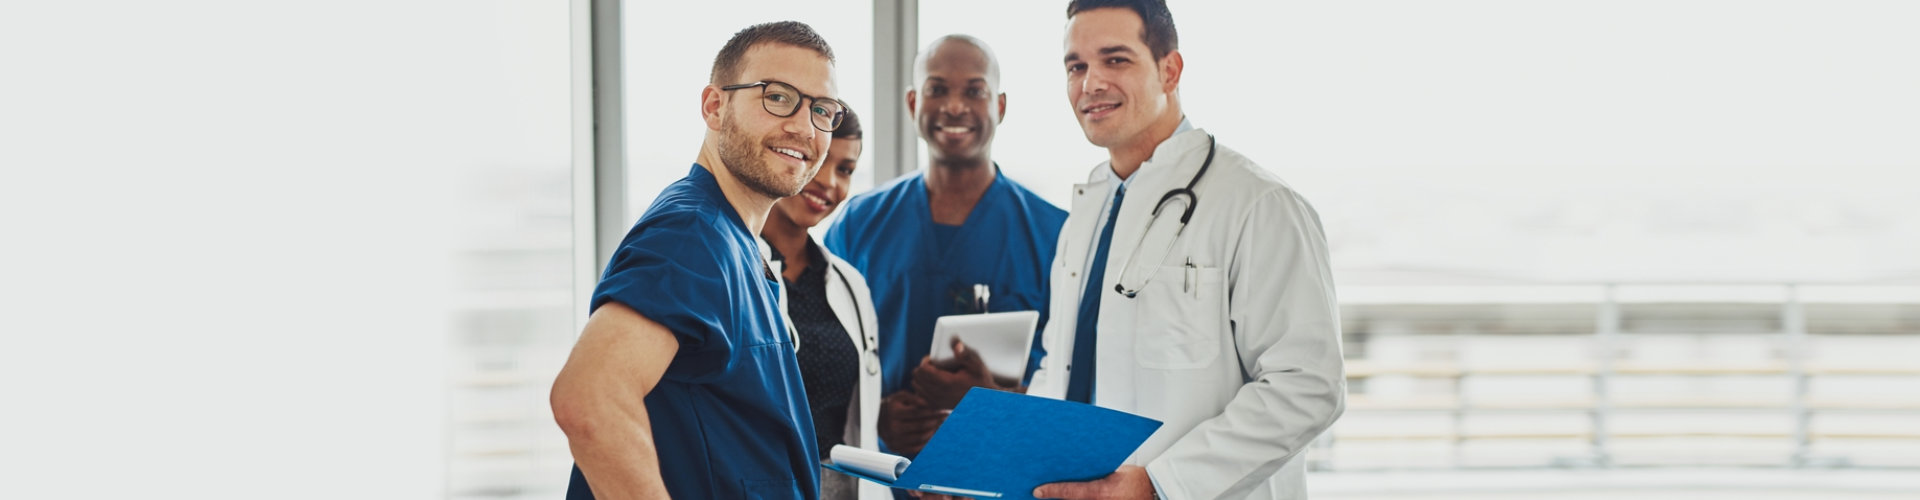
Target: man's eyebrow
[(1116, 49)]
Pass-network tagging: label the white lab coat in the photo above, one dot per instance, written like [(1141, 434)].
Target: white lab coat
[(852, 303), (1238, 355)]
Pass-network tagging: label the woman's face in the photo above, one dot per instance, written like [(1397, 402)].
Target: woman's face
[(827, 189)]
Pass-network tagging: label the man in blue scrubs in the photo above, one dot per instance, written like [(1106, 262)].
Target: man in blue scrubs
[(684, 382), (947, 239)]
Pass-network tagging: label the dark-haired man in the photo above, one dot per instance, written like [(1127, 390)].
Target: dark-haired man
[(1192, 286), (684, 382)]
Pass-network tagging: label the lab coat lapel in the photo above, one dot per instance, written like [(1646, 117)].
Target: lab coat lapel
[(843, 305), (1087, 201), (1068, 282)]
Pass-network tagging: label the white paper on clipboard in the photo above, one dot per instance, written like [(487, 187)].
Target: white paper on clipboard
[(1003, 339)]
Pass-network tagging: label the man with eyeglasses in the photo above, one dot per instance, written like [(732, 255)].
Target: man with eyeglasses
[(958, 237), (1192, 285), (685, 381)]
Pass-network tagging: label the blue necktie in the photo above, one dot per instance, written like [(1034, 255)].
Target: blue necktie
[(1080, 381)]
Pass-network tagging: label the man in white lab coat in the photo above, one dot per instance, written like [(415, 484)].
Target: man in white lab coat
[(1225, 329)]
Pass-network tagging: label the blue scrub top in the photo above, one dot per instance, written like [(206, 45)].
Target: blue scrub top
[(730, 417), (1007, 243)]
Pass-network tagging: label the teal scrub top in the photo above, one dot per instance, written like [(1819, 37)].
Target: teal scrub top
[(888, 234), (730, 417)]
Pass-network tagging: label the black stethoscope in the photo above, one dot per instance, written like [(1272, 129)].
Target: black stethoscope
[(1192, 200)]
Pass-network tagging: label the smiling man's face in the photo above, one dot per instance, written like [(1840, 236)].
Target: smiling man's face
[(776, 156), (1115, 86), (957, 105)]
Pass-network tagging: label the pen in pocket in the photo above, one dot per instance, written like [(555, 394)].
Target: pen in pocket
[(1190, 271)]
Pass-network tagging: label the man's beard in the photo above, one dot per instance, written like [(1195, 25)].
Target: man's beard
[(743, 157)]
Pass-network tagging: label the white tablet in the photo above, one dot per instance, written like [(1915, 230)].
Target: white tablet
[(1003, 339)]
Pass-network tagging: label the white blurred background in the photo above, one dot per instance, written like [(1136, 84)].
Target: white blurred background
[(329, 250)]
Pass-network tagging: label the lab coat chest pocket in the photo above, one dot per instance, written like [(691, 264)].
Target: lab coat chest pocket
[(1180, 316)]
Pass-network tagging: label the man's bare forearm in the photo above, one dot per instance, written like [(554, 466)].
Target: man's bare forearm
[(619, 460)]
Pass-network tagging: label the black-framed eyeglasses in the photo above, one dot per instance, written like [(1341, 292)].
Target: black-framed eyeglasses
[(782, 100)]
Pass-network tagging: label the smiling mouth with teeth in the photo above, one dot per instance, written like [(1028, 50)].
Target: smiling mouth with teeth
[(820, 203), (1099, 108), (794, 153)]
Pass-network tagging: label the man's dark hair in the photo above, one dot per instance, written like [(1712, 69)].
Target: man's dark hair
[(1156, 21), (849, 127), (726, 65)]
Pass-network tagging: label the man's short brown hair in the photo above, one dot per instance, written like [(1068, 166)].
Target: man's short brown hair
[(726, 65)]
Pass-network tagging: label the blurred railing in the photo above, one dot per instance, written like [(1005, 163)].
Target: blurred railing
[(1629, 375)]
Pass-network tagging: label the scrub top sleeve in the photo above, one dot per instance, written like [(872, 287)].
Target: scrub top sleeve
[(671, 271), (836, 239)]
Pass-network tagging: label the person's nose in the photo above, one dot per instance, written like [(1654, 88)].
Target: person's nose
[(954, 107), (1094, 83), (800, 125), (833, 187), (831, 179)]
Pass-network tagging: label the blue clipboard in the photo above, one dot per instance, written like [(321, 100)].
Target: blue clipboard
[(1002, 445)]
